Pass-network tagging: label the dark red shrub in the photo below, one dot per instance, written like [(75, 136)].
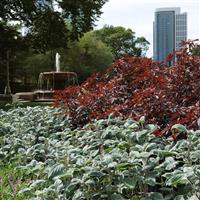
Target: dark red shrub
[(135, 87)]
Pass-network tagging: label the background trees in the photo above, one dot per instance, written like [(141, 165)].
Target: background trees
[(96, 50), (11, 42), (196, 50), (49, 25), (122, 41), (51, 16), (88, 55)]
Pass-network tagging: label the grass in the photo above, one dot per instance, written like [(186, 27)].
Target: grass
[(11, 181)]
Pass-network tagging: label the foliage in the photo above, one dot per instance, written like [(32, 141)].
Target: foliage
[(11, 43), (25, 67), (11, 181), (136, 87), (93, 56), (196, 50), (9, 38), (122, 41), (46, 20), (48, 32), (107, 159), (46, 26), (29, 65)]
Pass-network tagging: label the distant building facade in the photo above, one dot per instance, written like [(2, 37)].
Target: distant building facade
[(169, 29)]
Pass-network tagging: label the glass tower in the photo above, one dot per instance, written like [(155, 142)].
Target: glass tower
[(169, 29)]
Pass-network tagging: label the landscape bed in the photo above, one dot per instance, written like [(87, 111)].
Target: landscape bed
[(43, 157)]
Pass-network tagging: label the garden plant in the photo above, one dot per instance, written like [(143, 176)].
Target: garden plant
[(46, 158), (132, 133), (135, 87)]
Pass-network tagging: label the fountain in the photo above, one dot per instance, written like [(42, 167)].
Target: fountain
[(57, 62), (48, 82)]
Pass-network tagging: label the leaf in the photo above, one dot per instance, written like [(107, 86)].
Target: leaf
[(130, 182), (56, 170), (141, 135), (123, 166), (180, 128), (195, 155), (150, 181), (144, 154), (116, 197), (151, 146), (90, 182), (36, 183), (68, 174), (112, 165), (153, 196), (133, 126), (166, 153), (25, 190), (170, 163), (177, 178), (72, 187), (96, 174), (78, 195), (135, 198), (142, 120), (58, 184)]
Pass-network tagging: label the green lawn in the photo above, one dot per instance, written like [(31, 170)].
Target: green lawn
[(11, 181)]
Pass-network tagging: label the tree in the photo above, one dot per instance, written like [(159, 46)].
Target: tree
[(10, 43), (46, 20), (28, 66), (141, 45), (88, 55), (10, 39), (49, 25), (122, 41), (196, 50)]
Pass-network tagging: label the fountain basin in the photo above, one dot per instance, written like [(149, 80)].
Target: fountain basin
[(35, 96), (47, 84)]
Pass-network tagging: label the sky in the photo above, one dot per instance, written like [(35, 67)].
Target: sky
[(139, 16)]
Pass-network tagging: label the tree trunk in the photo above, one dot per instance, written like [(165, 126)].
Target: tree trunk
[(7, 88)]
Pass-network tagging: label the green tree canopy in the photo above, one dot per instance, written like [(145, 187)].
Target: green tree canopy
[(46, 20), (49, 25), (11, 42), (10, 38), (122, 41), (196, 50), (87, 56)]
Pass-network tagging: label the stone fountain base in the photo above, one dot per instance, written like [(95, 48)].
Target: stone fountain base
[(48, 82), (35, 96)]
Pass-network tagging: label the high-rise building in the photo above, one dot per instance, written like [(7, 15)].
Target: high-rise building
[(169, 29)]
